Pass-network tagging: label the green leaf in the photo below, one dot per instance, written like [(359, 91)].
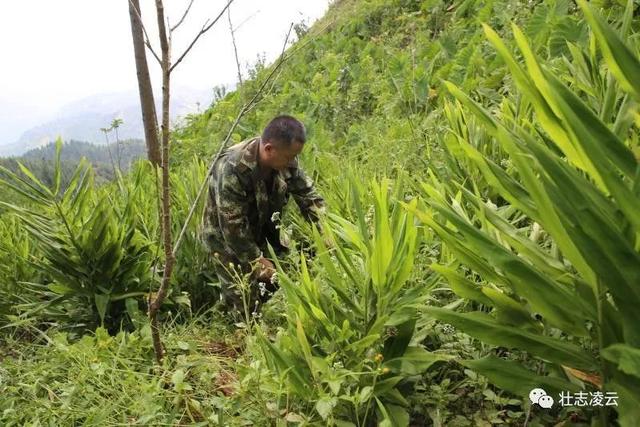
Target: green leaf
[(43, 188), (325, 406), (398, 415), (487, 329), (102, 302), (397, 344), (556, 303), (511, 312), (60, 289), (511, 376), (626, 357), (365, 394), (383, 247), (461, 286), (415, 361)]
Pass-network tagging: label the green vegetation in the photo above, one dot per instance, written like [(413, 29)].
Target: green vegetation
[(41, 161), (483, 239)]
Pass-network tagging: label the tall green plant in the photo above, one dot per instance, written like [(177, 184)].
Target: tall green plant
[(351, 316), (91, 248), (570, 299)]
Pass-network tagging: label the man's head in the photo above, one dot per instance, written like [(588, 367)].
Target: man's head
[(282, 140)]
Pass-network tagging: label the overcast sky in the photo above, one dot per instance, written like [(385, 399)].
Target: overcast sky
[(55, 52)]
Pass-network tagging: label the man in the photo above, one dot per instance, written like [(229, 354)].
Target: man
[(248, 188)]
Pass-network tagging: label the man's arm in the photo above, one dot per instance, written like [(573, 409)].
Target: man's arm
[(301, 187), (233, 218)]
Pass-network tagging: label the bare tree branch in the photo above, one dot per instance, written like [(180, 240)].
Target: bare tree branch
[(246, 20), (205, 27), (175, 27), (146, 36), (235, 47)]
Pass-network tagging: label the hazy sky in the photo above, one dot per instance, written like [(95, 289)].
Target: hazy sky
[(58, 51)]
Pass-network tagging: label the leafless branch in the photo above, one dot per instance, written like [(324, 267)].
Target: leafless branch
[(244, 110), (146, 36), (205, 27), (246, 20), (175, 27), (235, 47)]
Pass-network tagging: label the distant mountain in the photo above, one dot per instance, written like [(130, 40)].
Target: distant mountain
[(83, 119), (17, 115)]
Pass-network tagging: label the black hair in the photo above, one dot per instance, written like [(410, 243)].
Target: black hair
[(284, 129)]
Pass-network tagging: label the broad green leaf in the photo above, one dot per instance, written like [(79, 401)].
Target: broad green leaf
[(511, 312), (364, 343), (487, 329), (554, 302), (397, 344), (512, 376), (325, 406), (60, 289), (415, 361), (627, 358), (398, 415), (461, 286), (102, 302)]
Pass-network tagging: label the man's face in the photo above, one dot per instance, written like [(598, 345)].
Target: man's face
[(279, 155)]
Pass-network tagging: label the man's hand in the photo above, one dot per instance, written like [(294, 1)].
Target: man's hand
[(265, 270)]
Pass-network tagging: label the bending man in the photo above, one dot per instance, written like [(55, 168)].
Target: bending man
[(252, 181)]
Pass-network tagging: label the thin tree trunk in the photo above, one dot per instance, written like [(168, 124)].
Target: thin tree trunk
[(149, 119), (156, 303)]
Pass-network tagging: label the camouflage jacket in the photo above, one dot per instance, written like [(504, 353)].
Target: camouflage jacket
[(238, 216)]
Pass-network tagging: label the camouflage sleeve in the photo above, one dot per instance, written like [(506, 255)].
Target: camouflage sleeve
[(307, 198), (233, 206)]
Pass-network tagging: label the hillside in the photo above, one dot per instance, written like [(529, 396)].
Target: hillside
[(478, 265)]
